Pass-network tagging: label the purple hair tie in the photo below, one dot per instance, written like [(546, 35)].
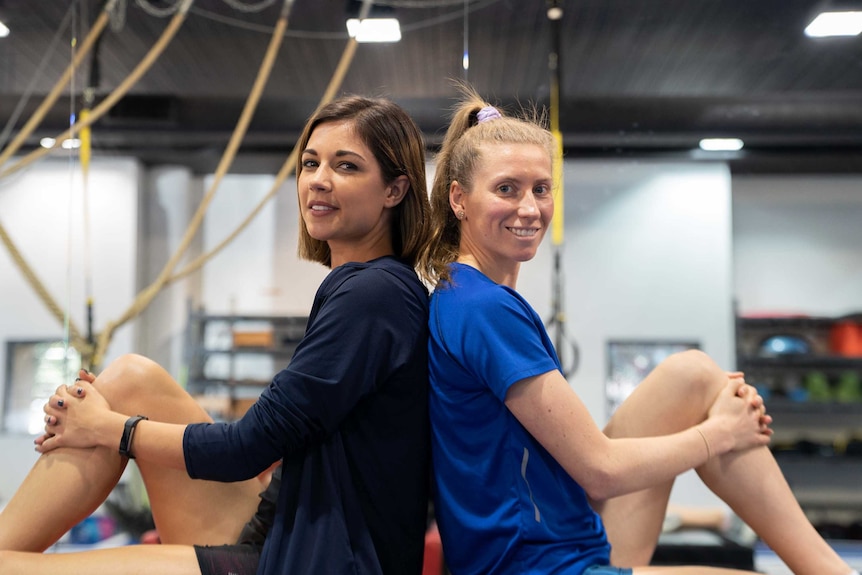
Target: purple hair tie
[(488, 113)]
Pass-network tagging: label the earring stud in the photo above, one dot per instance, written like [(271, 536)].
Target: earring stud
[(460, 215)]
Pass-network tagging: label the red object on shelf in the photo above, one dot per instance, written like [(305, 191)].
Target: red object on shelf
[(845, 338)]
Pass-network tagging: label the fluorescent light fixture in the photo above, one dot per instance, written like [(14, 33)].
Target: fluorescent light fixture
[(4, 30), (721, 144), (69, 144), (374, 29), (835, 24)]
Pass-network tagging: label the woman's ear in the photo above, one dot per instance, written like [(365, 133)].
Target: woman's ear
[(456, 197), (396, 191)]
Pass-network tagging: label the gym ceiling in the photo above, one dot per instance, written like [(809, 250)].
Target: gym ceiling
[(638, 78)]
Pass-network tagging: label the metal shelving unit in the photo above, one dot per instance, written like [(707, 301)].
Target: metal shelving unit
[(231, 358), (818, 440)]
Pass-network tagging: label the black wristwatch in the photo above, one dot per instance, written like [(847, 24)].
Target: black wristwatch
[(129, 434)]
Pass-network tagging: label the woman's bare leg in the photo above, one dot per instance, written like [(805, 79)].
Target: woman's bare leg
[(67, 485), (768, 506), (712, 518), (678, 395), (130, 560)]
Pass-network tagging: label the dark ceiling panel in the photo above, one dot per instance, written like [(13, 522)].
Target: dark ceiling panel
[(638, 77)]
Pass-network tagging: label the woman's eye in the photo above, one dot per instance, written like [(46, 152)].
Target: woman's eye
[(540, 190), (308, 164), (505, 189), (347, 165)]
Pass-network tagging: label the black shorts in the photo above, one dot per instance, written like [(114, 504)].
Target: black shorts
[(240, 559)]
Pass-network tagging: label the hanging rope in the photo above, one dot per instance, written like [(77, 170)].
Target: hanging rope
[(465, 57), (52, 96), (158, 12), (96, 354), (286, 168), (146, 296), (33, 280), (557, 323), (27, 271), (41, 291), (113, 97), (289, 164), (82, 123), (67, 336), (249, 8), (37, 75)]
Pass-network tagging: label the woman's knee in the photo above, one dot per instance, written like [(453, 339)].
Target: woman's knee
[(698, 372), (133, 378)]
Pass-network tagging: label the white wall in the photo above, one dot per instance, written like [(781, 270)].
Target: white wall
[(169, 197), (798, 244), (239, 279), (647, 255), (41, 211)]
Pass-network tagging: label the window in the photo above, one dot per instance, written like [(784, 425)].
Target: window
[(34, 369)]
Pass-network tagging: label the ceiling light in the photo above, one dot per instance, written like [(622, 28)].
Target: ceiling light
[(835, 24), (555, 13), (68, 144), (721, 144), (374, 29), (4, 30)]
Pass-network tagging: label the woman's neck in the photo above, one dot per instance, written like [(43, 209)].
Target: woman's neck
[(339, 255), (504, 275)]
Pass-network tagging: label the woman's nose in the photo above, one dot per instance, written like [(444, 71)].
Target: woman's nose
[(527, 205), (319, 179)]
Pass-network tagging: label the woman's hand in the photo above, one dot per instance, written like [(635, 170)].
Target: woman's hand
[(740, 414), (72, 416), (749, 393), (84, 375)]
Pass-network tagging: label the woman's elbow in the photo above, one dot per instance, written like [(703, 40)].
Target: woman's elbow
[(600, 484)]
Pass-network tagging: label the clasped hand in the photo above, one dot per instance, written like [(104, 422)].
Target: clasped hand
[(70, 415), (742, 412)]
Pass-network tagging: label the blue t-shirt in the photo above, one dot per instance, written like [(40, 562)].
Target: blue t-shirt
[(349, 417), (503, 503)]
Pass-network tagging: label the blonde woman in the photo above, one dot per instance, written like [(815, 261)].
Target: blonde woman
[(525, 480)]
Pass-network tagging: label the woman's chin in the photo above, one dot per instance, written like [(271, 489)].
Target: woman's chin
[(525, 256)]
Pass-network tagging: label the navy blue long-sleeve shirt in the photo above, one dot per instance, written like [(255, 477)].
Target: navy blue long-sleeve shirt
[(348, 416)]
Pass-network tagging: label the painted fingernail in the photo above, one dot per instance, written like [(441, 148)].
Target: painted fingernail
[(79, 391), (77, 379), (60, 402)]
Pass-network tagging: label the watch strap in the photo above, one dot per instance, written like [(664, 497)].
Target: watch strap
[(129, 434)]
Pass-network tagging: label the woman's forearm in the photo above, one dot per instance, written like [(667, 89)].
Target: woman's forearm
[(157, 442)]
